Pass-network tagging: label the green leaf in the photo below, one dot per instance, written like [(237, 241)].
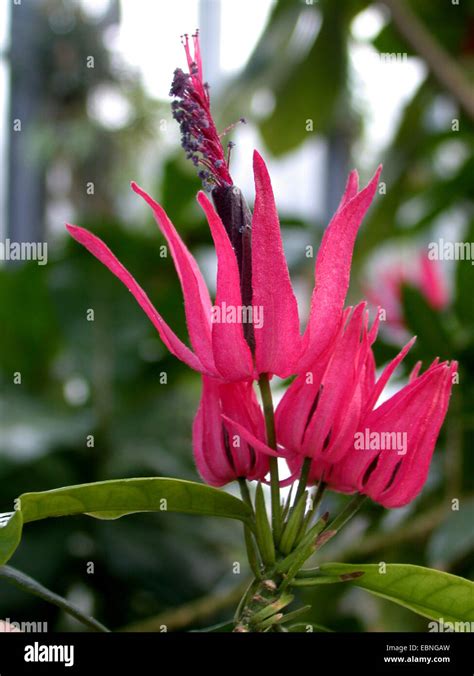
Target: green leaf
[(10, 535), (308, 90), (292, 563), (116, 498), (222, 627), (293, 525), (263, 530), (313, 581), (428, 592)]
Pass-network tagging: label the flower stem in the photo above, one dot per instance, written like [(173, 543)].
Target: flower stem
[(28, 584), (305, 469), (245, 493), (252, 555), (317, 499), (267, 401)]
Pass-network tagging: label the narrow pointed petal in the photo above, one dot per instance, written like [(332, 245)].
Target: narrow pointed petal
[(102, 252), (414, 372), (197, 303), (332, 272), (221, 455), (352, 187), (411, 419), (299, 405), (278, 341), (368, 376), (232, 354), (387, 373), (394, 486), (375, 328), (339, 405), (251, 439), (295, 409), (212, 462)]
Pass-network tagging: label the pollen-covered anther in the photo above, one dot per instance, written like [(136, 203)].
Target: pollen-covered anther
[(191, 109)]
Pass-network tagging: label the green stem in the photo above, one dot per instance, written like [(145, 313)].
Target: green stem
[(305, 469), (245, 493), (267, 401), (28, 584), (318, 496), (249, 541), (347, 513)]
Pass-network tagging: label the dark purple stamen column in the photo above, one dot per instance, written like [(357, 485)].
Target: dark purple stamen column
[(233, 210)]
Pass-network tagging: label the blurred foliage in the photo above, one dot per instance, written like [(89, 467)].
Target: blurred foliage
[(103, 377)]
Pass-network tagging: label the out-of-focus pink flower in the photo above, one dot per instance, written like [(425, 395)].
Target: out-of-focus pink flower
[(328, 414), (432, 283), (421, 272), (221, 454)]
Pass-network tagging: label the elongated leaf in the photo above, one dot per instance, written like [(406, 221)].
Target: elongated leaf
[(428, 592), (116, 498), (222, 627), (113, 499), (314, 581), (263, 530), (10, 534), (293, 525)]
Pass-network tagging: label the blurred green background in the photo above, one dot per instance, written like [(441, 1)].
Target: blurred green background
[(320, 96)]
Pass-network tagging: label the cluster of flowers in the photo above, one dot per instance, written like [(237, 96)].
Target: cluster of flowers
[(335, 391)]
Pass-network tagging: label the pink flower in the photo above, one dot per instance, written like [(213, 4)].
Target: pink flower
[(421, 272), (320, 411), (394, 477), (328, 414), (252, 270), (221, 454), (219, 349), (432, 283)]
